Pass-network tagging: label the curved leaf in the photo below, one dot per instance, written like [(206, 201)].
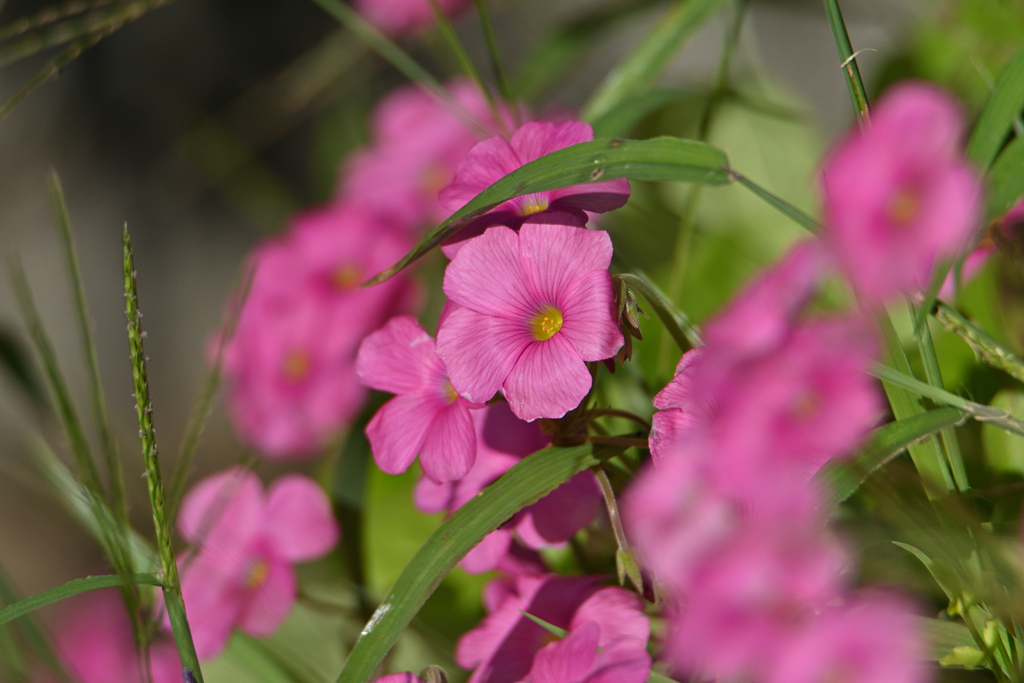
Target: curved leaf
[(657, 159), (1003, 106), (641, 70), (71, 588), (839, 480), (1006, 178), (530, 480)]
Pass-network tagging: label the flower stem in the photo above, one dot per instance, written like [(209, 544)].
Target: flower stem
[(147, 433), (858, 95)]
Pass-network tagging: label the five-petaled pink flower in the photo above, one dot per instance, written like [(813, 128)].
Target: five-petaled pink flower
[(426, 417), (240, 571), (495, 158), (899, 196), (535, 307), (503, 647)]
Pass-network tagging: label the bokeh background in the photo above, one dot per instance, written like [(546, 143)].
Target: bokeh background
[(206, 123)]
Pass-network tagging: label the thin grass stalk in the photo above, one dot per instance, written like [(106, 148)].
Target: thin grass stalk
[(55, 379), (484, 12), (465, 62), (399, 59), (31, 629), (50, 15), (848, 62), (147, 434), (99, 21), (202, 406), (732, 38), (988, 349), (118, 494), (784, 207), (933, 374)]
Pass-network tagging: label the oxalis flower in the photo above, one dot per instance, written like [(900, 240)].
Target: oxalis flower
[(535, 307), (427, 416), (241, 572)]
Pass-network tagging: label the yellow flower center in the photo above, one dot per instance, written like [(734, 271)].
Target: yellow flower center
[(904, 207), (296, 365), (448, 391), (257, 574), (805, 406), (533, 204), (347, 276), (546, 323)]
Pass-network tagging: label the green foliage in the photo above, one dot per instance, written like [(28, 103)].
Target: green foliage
[(69, 589)]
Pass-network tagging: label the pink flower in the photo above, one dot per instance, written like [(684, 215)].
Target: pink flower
[(871, 640), (401, 17), (417, 143), (495, 158), (404, 677), (578, 659), (750, 598), (502, 441), (94, 640), (240, 571), (681, 409), (290, 365), (1007, 227), (536, 306), (502, 648), (899, 197), (426, 417)]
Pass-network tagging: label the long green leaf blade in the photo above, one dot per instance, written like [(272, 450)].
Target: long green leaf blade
[(1005, 103), (531, 479), (1006, 179), (848, 60), (69, 589), (641, 70), (837, 481), (657, 159)]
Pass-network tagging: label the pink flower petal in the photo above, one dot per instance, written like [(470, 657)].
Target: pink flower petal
[(399, 358), (450, 447), (486, 555), (567, 660), (399, 428), (223, 511), (588, 316), (556, 518), (548, 380), (552, 257), (486, 276), (212, 602), (623, 661), (486, 163), (480, 351), (298, 523), (618, 612), (269, 604)]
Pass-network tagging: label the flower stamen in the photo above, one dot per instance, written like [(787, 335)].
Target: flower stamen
[(546, 322)]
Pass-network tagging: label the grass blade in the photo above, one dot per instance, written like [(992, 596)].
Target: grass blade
[(15, 359), (784, 207), (484, 12), (49, 15), (531, 479), (1004, 104), (118, 494), (31, 630), (848, 61), (55, 379), (69, 589), (988, 349), (147, 433), (1005, 179), (664, 158), (839, 480), (642, 69)]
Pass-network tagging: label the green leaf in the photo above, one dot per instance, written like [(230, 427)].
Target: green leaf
[(947, 638), (1006, 178), (944, 576), (858, 95), (1005, 452), (620, 119), (15, 359), (657, 159), (642, 69), (984, 345), (528, 481), (550, 628), (1005, 103), (74, 587), (839, 480)]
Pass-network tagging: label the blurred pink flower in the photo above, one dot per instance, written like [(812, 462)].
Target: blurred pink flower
[(502, 441), (401, 17), (426, 417), (240, 571), (416, 145), (290, 367), (681, 409), (502, 648), (94, 640), (535, 307), (751, 597), (495, 158), (404, 677), (873, 639), (578, 659), (899, 196), (1008, 227)]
